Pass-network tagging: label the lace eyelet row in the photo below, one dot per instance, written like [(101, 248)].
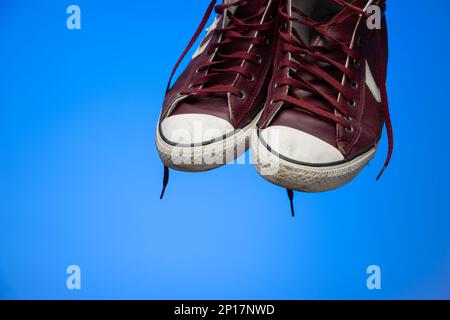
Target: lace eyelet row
[(351, 129)]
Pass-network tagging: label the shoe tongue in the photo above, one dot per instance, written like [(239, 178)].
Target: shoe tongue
[(243, 12), (329, 14), (325, 12), (338, 21)]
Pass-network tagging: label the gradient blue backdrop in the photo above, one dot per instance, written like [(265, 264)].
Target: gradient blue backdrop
[(80, 176)]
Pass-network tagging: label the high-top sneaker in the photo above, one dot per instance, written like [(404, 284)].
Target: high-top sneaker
[(211, 109), (327, 101)]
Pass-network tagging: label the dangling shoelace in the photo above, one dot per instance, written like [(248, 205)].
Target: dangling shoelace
[(237, 31), (312, 59)]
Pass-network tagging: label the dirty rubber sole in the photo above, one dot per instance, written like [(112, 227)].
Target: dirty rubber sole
[(206, 157), (305, 178)]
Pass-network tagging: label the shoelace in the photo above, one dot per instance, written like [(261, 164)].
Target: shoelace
[(312, 60), (237, 30)]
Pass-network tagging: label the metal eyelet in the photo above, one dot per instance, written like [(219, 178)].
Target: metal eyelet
[(356, 64), (250, 77), (242, 96), (198, 71), (351, 129), (259, 59), (354, 84), (352, 103), (276, 85)]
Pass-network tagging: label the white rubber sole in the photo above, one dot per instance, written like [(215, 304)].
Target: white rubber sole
[(305, 178), (206, 157)]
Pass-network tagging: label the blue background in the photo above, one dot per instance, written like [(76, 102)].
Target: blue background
[(80, 176)]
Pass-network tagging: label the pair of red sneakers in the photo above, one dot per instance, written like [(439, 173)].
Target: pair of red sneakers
[(303, 80)]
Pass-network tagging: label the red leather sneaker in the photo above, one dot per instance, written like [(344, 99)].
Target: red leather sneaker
[(209, 113), (327, 101)]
